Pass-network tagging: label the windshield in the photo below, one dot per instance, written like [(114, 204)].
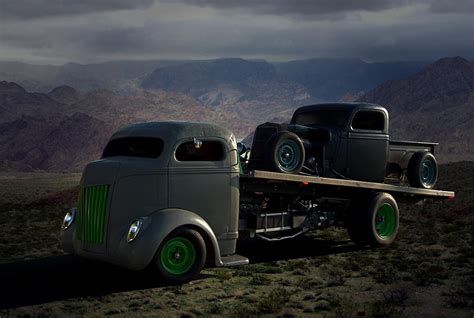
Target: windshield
[(323, 117), (143, 147)]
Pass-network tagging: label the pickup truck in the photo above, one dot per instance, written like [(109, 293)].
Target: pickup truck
[(171, 196), (343, 140)]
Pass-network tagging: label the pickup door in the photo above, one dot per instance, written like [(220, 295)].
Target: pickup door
[(367, 145)]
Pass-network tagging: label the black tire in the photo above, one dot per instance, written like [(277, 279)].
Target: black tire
[(374, 223), (422, 170), (186, 243), (285, 153)]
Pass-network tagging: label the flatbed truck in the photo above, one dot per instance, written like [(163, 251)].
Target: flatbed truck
[(172, 196)]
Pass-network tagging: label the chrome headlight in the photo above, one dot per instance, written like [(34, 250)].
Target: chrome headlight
[(133, 230), (68, 219)]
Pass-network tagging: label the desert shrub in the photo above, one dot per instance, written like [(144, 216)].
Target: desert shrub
[(293, 264), (241, 310), (267, 268), (461, 297), (428, 273), (299, 272), (334, 276), (310, 283), (452, 240), (215, 308), (386, 274), (274, 301), (223, 274), (259, 279)]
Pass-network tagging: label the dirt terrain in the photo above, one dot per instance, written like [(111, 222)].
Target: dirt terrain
[(428, 272)]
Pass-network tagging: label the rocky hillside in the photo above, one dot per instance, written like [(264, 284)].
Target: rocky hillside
[(63, 130), (249, 89), (330, 79), (436, 104)]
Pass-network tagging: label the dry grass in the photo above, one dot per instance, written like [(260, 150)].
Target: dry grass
[(427, 272)]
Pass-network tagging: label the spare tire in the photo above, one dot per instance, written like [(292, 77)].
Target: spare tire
[(422, 170), (285, 153)]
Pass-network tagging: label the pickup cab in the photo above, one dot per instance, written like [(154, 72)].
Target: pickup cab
[(343, 140), (171, 196)]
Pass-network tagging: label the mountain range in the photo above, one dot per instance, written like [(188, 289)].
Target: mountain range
[(322, 79), (63, 128), (435, 104)]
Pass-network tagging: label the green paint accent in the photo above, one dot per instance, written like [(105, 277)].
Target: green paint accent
[(91, 214), (288, 155), (178, 256), (385, 221), (241, 171), (427, 172)]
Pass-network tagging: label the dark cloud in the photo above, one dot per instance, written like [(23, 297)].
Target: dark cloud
[(450, 6), (249, 29), (301, 7), (28, 9)]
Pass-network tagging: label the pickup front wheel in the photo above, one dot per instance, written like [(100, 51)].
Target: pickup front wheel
[(181, 256)]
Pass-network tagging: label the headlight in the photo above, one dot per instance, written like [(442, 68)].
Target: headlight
[(133, 230), (68, 219)]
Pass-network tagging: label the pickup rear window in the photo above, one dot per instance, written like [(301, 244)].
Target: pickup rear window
[(368, 120), (323, 117), (144, 147)]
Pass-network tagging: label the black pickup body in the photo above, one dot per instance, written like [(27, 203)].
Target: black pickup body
[(340, 149)]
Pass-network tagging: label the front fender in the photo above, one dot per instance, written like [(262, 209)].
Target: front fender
[(139, 253)]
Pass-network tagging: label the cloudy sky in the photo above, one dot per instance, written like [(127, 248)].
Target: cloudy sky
[(61, 31)]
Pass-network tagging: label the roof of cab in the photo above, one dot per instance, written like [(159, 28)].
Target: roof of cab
[(349, 106), (172, 130), (343, 106)]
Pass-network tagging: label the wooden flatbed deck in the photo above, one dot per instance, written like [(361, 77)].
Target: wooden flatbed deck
[(390, 188)]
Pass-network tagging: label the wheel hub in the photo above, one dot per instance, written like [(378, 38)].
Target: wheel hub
[(385, 221)]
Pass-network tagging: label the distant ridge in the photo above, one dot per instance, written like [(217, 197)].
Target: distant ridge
[(435, 104)]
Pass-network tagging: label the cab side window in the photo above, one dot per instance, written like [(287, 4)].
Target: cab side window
[(208, 151), (369, 120)]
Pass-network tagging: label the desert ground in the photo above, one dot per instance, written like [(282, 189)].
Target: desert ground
[(427, 272)]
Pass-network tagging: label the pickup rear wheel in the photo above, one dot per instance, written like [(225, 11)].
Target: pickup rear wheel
[(377, 223), (286, 153), (422, 170), (181, 256)]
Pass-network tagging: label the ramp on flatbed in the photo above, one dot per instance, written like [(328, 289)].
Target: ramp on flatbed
[(410, 191)]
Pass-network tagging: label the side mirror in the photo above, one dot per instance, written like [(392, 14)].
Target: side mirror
[(241, 148)]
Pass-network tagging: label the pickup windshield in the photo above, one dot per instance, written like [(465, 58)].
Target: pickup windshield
[(323, 117)]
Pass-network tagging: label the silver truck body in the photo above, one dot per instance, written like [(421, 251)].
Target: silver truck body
[(163, 192)]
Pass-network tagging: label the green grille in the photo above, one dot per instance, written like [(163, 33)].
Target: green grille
[(91, 214)]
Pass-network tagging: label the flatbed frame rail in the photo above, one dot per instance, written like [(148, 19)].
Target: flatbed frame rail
[(410, 191)]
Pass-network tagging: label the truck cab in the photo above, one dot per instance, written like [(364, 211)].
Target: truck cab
[(152, 180), (359, 144)]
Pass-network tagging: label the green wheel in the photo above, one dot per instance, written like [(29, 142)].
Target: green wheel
[(286, 153), (181, 256), (375, 221), (422, 170)]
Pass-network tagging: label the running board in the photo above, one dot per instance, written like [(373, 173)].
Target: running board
[(234, 260)]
